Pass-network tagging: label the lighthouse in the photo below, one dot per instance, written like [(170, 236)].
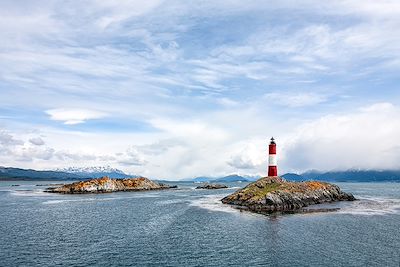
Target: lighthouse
[(272, 163)]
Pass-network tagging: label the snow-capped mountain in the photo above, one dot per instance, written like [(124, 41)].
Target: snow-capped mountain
[(96, 172)]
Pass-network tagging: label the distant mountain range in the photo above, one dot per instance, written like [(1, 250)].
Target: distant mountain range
[(61, 174), (73, 173), (229, 178), (346, 176), (96, 172), (332, 176)]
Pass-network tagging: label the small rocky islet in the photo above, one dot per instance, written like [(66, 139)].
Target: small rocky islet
[(108, 185), (274, 194), (211, 186)]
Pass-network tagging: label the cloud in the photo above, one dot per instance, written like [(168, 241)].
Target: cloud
[(295, 100), (114, 13), (226, 102), (8, 143), (37, 141), (158, 147), (7, 140), (366, 139), (249, 155), (66, 156), (74, 116), (131, 158), (33, 153), (239, 162)]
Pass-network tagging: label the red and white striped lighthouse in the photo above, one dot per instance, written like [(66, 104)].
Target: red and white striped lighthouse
[(272, 163)]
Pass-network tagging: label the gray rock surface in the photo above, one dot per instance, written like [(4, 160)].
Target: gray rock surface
[(272, 194), (211, 186)]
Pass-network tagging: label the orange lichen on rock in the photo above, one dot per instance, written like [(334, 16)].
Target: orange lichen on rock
[(135, 182), (275, 194), (314, 185), (106, 184)]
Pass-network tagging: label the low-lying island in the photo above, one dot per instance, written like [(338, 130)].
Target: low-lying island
[(274, 194), (108, 185), (211, 186)]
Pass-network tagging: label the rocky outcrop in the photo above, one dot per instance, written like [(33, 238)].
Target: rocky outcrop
[(106, 185), (211, 186), (272, 194)]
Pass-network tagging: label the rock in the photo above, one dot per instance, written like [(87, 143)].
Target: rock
[(168, 186), (106, 185), (272, 194), (211, 186)]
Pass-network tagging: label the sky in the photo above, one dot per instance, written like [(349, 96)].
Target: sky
[(179, 89)]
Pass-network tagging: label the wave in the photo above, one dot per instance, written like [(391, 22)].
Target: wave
[(29, 193), (171, 201), (372, 206), (365, 206), (213, 203), (58, 201)]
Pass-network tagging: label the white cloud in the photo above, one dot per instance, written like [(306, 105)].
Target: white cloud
[(37, 141), (158, 147), (226, 102), (7, 140), (190, 128), (239, 162), (131, 157), (116, 12), (295, 100), (74, 116), (33, 153), (367, 139), (364, 138), (249, 155)]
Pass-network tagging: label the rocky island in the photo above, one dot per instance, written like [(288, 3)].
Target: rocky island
[(274, 194), (107, 185), (211, 186)]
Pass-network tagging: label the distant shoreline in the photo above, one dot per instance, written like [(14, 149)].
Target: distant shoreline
[(173, 181)]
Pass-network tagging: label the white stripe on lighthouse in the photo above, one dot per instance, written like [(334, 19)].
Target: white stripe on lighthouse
[(272, 160)]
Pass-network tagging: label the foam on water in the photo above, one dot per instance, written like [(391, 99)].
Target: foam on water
[(99, 197), (29, 193), (365, 206), (58, 201), (41, 193), (372, 206), (213, 203), (171, 201), (159, 223)]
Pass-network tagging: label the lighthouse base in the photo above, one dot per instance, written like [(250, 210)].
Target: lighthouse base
[(272, 171)]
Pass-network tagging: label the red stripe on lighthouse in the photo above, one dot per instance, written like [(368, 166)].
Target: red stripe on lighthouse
[(272, 171), (272, 163), (272, 149)]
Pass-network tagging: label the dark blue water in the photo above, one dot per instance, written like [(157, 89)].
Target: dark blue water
[(191, 228)]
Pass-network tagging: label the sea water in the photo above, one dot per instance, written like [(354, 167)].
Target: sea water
[(189, 227)]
